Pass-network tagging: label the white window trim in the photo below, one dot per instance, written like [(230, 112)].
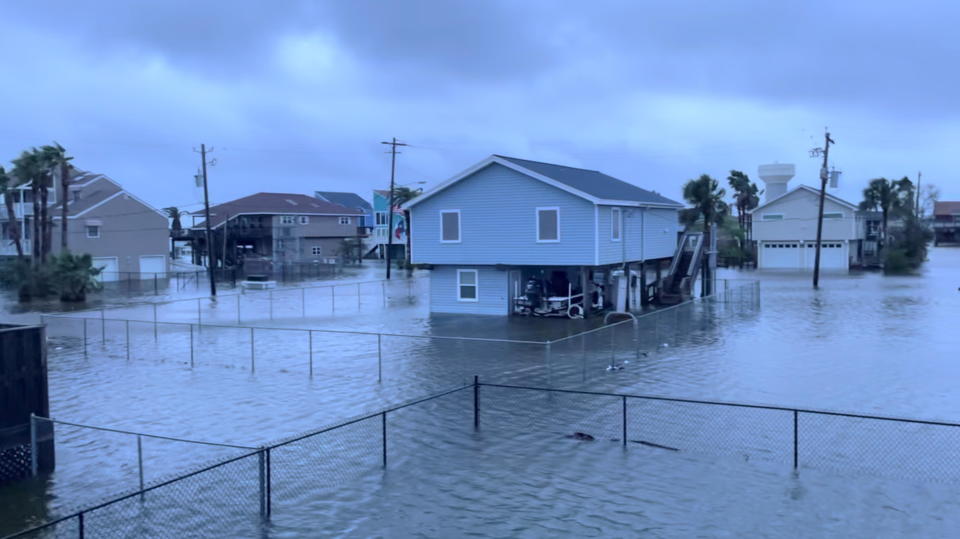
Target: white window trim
[(536, 215), (304, 219), (763, 217), (284, 220), (87, 228), (316, 250), (341, 220), (476, 285), (833, 214), (616, 217), (459, 235)]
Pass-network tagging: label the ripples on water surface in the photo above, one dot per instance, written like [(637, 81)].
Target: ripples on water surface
[(864, 342)]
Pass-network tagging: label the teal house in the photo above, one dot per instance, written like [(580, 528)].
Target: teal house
[(505, 222), (382, 231)]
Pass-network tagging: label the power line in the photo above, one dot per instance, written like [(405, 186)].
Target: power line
[(393, 172)]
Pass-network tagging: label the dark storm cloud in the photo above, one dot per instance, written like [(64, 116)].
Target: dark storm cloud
[(298, 94)]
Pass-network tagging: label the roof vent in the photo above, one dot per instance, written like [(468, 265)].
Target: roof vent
[(292, 203)]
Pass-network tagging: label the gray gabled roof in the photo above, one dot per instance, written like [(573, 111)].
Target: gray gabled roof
[(350, 200), (589, 184), (592, 182)]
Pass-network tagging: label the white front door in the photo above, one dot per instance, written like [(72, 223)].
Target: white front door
[(151, 265), (110, 268), (780, 255)]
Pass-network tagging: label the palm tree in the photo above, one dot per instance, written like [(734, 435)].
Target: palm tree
[(176, 227), (746, 196), (887, 197), (706, 197), (29, 170), (7, 187), (55, 157), (402, 195)]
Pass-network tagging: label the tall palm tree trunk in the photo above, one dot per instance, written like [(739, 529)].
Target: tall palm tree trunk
[(35, 224), (14, 226), (44, 220), (64, 181)]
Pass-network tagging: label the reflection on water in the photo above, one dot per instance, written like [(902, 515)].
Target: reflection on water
[(863, 342)]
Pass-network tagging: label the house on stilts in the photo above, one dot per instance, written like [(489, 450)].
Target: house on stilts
[(513, 236)]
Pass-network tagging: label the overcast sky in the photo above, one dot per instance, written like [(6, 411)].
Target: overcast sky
[(297, 98)]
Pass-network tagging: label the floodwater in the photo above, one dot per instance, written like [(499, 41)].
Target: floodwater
[(866, 343)]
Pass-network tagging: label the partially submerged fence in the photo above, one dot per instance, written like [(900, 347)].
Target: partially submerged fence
[(375, 355), (300, 475)]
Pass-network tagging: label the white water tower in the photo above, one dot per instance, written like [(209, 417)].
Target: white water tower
[(776, 177)]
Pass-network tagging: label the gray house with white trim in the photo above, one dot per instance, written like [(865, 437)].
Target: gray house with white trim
[(127, 237), (504, 220)]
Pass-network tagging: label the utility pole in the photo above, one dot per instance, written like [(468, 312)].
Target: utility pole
[(393, 171), (206, 211), (824, 174)]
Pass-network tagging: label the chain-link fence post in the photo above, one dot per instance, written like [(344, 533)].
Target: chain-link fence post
[(383, 430), (238, 307), (379, 358), (103, 328), (84, 336), (310, 345), (191, 346), (624, 421), (155, 322), (303, 302), (476, 402), (126, 324), (270, 298), (796, 453), (253, 366), (262, 469), (140, 462), (199, 315), (333, 299)]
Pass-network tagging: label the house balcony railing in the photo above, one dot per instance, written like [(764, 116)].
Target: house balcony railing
[(946, 224)]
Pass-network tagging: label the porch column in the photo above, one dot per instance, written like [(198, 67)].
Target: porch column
[(644, 300), (584, 281)]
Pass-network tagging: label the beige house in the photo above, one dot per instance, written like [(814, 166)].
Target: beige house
[(127, 237), (785, 229)]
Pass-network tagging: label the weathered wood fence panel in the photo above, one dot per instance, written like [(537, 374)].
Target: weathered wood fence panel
[(23, 390)]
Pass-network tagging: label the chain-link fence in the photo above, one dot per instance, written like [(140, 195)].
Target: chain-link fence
[(296, 479)]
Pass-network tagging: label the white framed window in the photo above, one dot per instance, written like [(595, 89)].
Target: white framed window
[(93, 231), (548, 225), (304, 219), (381, 218), (316, 250), (616, 224), (450, 226), (772, 217), (468, 288), (833, 215), (287, 219), (344, 220)]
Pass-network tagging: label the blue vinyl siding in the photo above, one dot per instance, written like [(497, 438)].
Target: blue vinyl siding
[(498, 223), (491, 291), (647, 234)]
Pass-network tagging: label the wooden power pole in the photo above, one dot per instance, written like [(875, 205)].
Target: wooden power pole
[(393, 172), (824, 174), (206, 211)]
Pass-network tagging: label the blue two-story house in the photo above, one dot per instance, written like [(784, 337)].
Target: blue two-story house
[(503, 222)]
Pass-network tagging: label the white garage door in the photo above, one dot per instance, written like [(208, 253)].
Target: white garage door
[(151, 265), (110, 268), (833, 255), (780, 255)]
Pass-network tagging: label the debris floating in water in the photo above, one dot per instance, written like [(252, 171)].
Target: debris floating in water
[(651, 444), (582, 436)]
